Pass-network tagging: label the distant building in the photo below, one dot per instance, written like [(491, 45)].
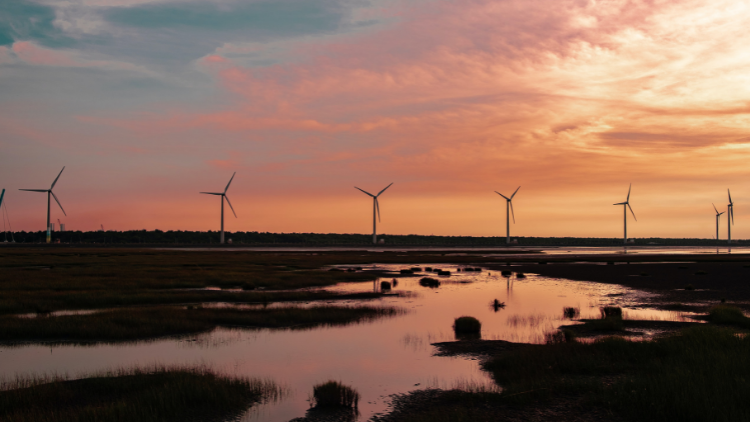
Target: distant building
[(62, 227), (51, 227)]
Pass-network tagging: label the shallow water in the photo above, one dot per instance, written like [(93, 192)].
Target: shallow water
[(379, 358)]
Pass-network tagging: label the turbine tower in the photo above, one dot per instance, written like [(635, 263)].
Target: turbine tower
[(730, 216), (508, 212), (49, 193), (223, 197), (625, 206), (718, 218), (375, 210)]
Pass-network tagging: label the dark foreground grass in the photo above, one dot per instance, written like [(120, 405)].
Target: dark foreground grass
[(699, 375), (136, 395), (147, 323)]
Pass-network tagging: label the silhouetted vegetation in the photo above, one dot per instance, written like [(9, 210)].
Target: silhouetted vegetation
[(467, 325), (728, 315), (699, 375), (179, 237), (429, 282), (156, 394), (145, 323), (571, 313), (50, 279), (334, 394)]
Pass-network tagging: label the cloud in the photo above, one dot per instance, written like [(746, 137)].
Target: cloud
[(33, 54)]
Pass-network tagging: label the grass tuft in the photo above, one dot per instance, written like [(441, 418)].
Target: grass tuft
[(334, 394), (611, 311), (728, 315), (467, 325), (429, 282), (571, 313)]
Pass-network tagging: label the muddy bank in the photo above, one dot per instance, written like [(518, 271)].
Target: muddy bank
[(435, 404), (701, 281), (476, 348), (630, 328)]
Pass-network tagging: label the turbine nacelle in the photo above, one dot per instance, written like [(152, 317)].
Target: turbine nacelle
[(224, 194), (50, 192), (375, 197), (627, 202), (510, 202)]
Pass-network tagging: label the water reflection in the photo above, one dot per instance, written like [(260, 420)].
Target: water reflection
[(378, 358)]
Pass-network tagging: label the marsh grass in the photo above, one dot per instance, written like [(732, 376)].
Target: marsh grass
[(87, 278), (699, 375), (146, 323), (334, 394), (429, 282), (47, 301), (467, 325), (142, 395), (611, 312), (560, 336), (571, 313), (728, 315)]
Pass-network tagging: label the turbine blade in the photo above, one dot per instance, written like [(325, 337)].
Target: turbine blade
[(717, 211), (730, 196), (58, 176), (631, 211), (58, 202), (212, 193), (506, 198), (384, 189), (731, 213), (230, 205), (719, 214), (621, 203), (514, 193), (377, 207), (630, 187), (511, 212), (230, 182), (35, 190), (368, 193)]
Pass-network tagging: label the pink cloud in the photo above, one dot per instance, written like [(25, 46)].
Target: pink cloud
[(34, 54)]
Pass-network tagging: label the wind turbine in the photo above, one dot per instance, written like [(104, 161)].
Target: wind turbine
[(730, 216), (508, 212), (49, 193), (223, 197), (625, 206), (718, 218), (375, 210)]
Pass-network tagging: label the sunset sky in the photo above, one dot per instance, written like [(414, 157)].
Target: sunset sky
[(148, 102)]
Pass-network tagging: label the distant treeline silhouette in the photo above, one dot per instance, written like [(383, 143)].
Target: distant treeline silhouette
[(159, 237)]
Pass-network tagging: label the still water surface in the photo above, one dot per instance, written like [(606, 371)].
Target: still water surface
[(378, 358)]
